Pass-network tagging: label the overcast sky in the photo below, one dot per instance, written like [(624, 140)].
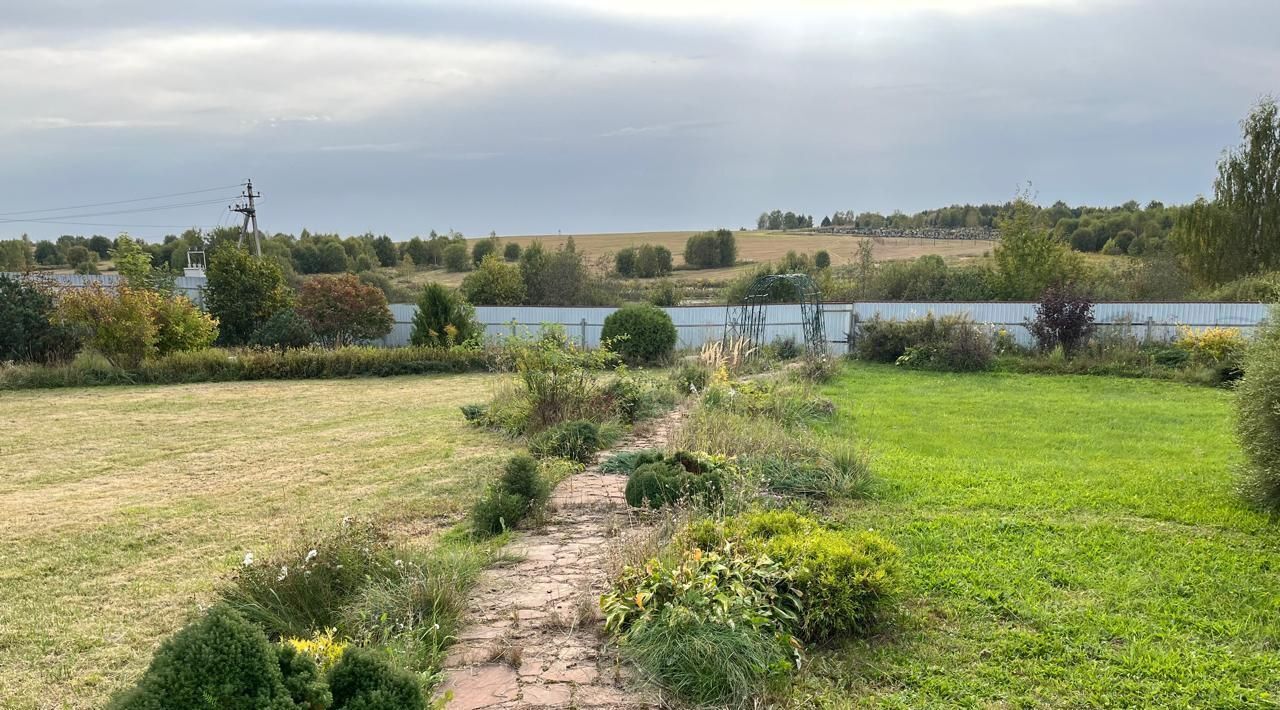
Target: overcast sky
[(399, 116)]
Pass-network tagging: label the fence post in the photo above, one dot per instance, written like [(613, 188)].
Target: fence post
[(853, 331), (584, 332), (513, 327), (1150, 337)]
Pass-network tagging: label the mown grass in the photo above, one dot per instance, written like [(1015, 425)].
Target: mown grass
[(1069, 542), (122, 509)]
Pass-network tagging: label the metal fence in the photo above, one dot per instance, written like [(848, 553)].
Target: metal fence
[(696, 325), (189, 286)]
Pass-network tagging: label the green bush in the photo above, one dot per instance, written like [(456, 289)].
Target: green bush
[(662, 483), (243, 292), (952, 343), (691, 377), (283, 331), (577, 440), (522, 477), (641, 333), (494, 283), (1258, 415), (363, 681), (497, 511), (443, 319), (302, 679), (221, 662), (709, 250), (28, 332), (456, 258)]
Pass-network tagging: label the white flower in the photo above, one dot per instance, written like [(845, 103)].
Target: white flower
[(248, 559), (284, 572), (399, 563), (310, 556)]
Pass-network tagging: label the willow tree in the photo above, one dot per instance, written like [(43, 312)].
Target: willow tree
[(1238, 232)]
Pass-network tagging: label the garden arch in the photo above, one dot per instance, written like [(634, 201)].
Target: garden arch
[(747, 319)]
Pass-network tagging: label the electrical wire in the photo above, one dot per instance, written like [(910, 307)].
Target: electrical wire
[(52, 219), (122, 202)]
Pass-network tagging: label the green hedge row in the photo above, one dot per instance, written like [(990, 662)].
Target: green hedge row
[(215, 365)]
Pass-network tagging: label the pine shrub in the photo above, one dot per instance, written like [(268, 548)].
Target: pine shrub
[(221, 662), (577, 440), (364, 681)]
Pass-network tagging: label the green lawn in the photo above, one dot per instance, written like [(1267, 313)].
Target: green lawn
[(122, 508), (1069, 542)]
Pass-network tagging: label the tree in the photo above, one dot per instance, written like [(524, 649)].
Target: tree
[(511, 252), (417, 250), (342, 310), (822, 259), (762, 222), (652, 261), (243, 292), (711, 249), (100, 245), (826, 221), (134, 266), (495, 283), (455, 257), (624, 262), (442, 319), (483, 248), (1028, 258), (386, 251), (129, 325), (1083, 239), (47, 253), (28, 331), (1238, 233)]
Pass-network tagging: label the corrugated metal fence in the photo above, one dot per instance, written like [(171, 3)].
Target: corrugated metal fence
[(189, 286), (696, 325), (700, 324)]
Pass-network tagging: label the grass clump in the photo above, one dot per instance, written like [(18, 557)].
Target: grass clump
[(577, 440)]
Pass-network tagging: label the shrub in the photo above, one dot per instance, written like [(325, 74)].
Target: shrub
[(363, 681), (662, 483), (576, 440), (322, 648), (822, 259), (665, 294), (557, 382), (482, 249), (220, 662), (1258, 415), (180, 325), (443, 319), (283, 331), (952, 342), (497, 511), (302, 677), (28, 332), (691, 377), (1063, 318), (243, 292), (342, 310), (640, 333), (844, 578), (522, 477), (494, 283), (511, 252), (119, 324), (645, 261)]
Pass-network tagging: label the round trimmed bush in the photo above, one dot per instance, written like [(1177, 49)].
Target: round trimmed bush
[(662, 482), (220, 662), (364, 681), (645, 333)]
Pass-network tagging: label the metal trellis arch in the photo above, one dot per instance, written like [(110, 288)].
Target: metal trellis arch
[(746, 320)]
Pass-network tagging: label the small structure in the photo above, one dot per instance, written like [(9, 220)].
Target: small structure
[(195, 263), (746, 320)]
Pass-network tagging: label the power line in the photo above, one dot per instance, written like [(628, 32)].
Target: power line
[(122, 202), (150, 208)]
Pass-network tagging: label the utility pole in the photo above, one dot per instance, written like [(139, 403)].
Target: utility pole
[(250, 213)]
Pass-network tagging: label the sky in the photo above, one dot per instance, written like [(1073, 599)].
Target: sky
[(579, 116)]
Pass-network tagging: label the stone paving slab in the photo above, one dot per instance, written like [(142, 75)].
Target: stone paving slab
[(531, 637)]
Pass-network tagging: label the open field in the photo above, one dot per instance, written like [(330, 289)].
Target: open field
[(752, 247), (122, 508), (1069, 542)]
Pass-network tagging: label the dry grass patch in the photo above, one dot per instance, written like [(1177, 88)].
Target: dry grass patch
[(121, 508)]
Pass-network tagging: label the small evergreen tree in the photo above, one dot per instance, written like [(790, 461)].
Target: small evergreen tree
[(442, 318)]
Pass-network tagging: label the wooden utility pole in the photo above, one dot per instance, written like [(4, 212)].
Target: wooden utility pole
[(250, 213)]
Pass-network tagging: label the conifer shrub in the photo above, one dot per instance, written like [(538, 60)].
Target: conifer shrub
[(221, 662), (364, 681)]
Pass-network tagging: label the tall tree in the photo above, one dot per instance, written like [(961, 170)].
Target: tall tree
[(1238, 233), (1029, 259), (243, 292)]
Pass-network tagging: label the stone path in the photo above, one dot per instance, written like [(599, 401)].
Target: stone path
[(531, 637)]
